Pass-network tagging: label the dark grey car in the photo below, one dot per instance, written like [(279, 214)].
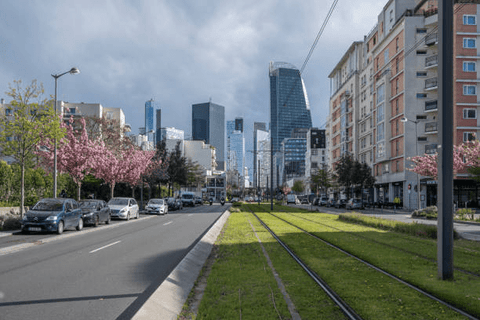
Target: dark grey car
[(54, 215), (95, 212)]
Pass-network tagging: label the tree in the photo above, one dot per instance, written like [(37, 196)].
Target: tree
[(177, 169), (195, 174), (75, 153), (29, 120), (6, 181), (298, 186), (323, 179)]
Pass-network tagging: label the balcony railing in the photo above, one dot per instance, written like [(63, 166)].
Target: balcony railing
[(431, 105), (431, 127), (431, 83), (431, 39), (431, 61)]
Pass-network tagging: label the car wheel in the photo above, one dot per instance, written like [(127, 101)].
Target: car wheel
[(60, 227), (25, 231), (109, 219), (128, 216), (80, 225), (138, 215), (95, 224)]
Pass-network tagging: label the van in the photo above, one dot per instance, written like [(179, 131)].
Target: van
[(188, 199), (292, 198)]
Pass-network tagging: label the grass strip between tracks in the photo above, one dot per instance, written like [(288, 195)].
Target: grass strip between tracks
[(462, 292)]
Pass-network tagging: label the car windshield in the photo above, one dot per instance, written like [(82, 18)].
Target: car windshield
[(48, 205), (118, 202), (155, 201), (87, 204), (187, 196)]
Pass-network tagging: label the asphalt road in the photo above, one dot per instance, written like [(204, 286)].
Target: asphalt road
[(106, 272)]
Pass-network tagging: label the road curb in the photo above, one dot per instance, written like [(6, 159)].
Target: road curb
[(168, 300)]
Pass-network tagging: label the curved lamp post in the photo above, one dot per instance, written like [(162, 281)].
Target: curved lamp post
[(405, 120), (56, 76)]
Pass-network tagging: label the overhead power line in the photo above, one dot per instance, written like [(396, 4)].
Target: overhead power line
[(334, 4)]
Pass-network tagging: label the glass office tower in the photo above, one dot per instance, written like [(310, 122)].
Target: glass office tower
[(236, 146), (150, 124), (208, 124), (289, 106)]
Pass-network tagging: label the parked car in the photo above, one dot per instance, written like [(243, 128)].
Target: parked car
[(354, 204), (171, 203), (178, 204), (330, 203), (340, 203), (235, 199), (94, 212), (157, 206), (53, 215), (188, 199), (304, 200), (124, 208), (198, 200), (323, 201)]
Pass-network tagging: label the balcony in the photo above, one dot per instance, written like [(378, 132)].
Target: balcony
[(431, 39), (431, 62), (431, 84), (431, 127), (431, 105)]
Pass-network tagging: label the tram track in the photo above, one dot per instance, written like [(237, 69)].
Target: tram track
[(343, 305)]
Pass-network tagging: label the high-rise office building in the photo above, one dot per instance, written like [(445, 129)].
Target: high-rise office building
[(158, 129), (236, 146), (208, 124), (289, 106), (150, 107), (256, 126)]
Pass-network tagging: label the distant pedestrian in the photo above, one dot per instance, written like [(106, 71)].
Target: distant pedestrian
[(63, 194)]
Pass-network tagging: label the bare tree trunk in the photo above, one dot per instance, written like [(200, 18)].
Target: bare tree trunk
[(112, 187), (79, 184)]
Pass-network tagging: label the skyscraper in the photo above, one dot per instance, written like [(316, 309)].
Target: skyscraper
[(289, 106), (208, 124), (150, 107), (158, 129), (256, 126), (236, 146)]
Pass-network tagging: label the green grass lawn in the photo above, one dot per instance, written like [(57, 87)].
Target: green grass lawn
[(241, 284)]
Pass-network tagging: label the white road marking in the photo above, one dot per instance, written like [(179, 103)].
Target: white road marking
[(191, 214), (167, 223), (108, 245)]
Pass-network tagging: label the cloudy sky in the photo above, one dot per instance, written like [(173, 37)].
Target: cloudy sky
[(177, 52)]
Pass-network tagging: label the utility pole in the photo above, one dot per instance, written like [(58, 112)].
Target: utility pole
[(445, 159)]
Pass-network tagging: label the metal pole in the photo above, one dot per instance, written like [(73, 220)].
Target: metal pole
[(418, 175), (55, 147), (445, 159), (271, 170)]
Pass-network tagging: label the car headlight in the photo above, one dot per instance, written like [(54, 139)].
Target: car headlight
[(88, 214), (25, 218), (123, 210), (52, 218)]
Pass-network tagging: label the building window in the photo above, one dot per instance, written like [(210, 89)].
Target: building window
[(422, 139), (469, 113), (468, 136), (396, 44), (421, 95), (8, 112), (396, 86), (385, 55), (469, 42), (380, 132), (469, 20), (469, 90), (397, 63), (397, 125), (421, 73), (469, 66), (421, 30), (396, 106), (421, 52)]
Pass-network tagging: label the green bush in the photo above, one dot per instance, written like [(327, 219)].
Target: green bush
[(428, 212), (236, 204), (465, 214), (10, 223)]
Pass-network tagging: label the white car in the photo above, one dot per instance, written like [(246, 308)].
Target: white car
[(157, 206), (124, 208)]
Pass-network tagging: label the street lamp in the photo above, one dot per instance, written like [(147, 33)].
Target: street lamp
[(405, 120), (56, 76)]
